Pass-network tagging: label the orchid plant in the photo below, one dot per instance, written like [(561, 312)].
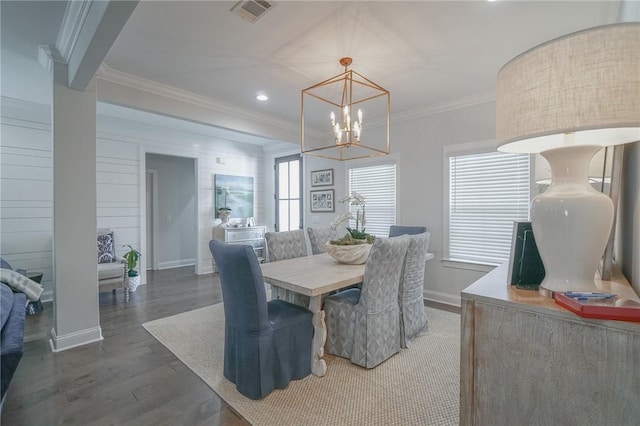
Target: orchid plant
[(358, 234), (224, 191)]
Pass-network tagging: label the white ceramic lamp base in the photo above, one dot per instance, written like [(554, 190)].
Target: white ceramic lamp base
[(571, 222)]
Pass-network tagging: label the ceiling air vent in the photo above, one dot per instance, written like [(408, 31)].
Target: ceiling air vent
[(251, 10)]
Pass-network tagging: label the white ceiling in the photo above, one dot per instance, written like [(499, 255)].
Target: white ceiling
[(430, 55)]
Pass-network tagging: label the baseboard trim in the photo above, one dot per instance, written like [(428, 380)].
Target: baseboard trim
[(442, 306), (443, 298), (75, 339), (176, 264)]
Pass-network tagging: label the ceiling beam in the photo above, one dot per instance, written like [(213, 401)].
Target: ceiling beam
[(89, 29)]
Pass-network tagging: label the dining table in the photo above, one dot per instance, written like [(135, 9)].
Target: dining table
[(314, 276)]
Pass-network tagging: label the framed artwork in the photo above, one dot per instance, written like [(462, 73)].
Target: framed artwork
[(323, 201), (234, 193), (322, 177)]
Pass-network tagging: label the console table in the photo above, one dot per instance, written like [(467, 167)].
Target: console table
[(250, 235), (526, 360)]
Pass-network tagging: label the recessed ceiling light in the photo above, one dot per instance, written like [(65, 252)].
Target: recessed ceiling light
[(262, 97)]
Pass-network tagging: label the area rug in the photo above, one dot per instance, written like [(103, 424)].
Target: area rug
[(418, 386)]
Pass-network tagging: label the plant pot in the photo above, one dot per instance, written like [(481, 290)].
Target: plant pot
[(355, 254), (134, 282), (224, 217)]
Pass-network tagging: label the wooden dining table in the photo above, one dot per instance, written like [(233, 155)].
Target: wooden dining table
[(312, 276)]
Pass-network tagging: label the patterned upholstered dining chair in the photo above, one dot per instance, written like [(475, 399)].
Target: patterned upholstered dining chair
[(413, 319), (266, 344), (319, 236), (362, 324), (287, 245)]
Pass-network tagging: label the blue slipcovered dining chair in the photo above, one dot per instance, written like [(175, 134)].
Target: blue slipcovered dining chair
[(396, 230), (362, 324), (266, 344)]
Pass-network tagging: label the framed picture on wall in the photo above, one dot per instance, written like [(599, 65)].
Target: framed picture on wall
[(234, 193), (322, 201), (322, 177)]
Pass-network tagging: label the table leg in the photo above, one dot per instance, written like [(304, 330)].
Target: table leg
[(318, 365)]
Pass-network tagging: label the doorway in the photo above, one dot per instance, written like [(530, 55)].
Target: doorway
[(171, 211)]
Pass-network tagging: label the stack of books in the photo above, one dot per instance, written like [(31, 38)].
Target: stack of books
[(599, 305)]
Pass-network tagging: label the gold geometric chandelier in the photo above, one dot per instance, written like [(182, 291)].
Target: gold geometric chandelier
[(332, 117)]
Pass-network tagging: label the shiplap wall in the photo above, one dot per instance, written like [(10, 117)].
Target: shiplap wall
[(26, 187)]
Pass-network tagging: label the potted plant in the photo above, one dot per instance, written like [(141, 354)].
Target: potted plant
[(224, 212), (354, 247), (132, 257)]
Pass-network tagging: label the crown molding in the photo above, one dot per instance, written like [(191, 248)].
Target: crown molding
[(440, 108), (130, 80), (74, 18)]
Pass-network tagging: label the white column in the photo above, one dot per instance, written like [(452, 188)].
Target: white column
[(76, 319)]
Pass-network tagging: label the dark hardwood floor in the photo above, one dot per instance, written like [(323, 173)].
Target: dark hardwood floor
[(126, 379)]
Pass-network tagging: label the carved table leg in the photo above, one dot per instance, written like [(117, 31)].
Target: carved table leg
[(318, 365)]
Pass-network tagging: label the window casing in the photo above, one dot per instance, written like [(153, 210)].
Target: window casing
[(487, 191), (377, 183)]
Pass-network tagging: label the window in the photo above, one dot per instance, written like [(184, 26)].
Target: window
[(288, 193), (378, 185), (487, 192)]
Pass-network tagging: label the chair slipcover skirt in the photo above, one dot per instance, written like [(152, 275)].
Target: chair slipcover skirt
[(267, 344), (258, 364), (413, 319)]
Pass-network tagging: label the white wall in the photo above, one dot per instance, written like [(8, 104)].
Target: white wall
[(419, 143), (26, 188)]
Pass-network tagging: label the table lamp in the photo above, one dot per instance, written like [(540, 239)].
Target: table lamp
[(566, 99)]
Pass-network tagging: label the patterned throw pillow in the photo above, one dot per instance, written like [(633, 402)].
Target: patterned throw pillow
[(105, 248)]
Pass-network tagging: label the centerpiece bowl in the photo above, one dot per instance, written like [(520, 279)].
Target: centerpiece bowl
[(353, 254)]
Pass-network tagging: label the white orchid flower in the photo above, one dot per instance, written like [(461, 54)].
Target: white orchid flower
[(340, 220)]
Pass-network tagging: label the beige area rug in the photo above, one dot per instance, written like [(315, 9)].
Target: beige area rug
[(418, 386)]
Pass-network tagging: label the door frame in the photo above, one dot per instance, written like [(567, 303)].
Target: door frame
[(154, 218)]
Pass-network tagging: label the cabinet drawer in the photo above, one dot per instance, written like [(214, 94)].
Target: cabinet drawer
[(256, 244), (244, 234)]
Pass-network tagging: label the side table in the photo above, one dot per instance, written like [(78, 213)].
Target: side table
[(34, 307)]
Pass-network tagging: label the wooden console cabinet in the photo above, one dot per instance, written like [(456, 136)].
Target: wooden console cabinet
[(252, 235), (524, 360)]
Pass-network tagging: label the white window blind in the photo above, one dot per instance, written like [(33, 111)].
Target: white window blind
[(378, 185), (487, 192)]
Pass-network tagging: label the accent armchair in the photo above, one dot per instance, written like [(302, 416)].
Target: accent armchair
[(266, 344), (112, 270), (362, 324)]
